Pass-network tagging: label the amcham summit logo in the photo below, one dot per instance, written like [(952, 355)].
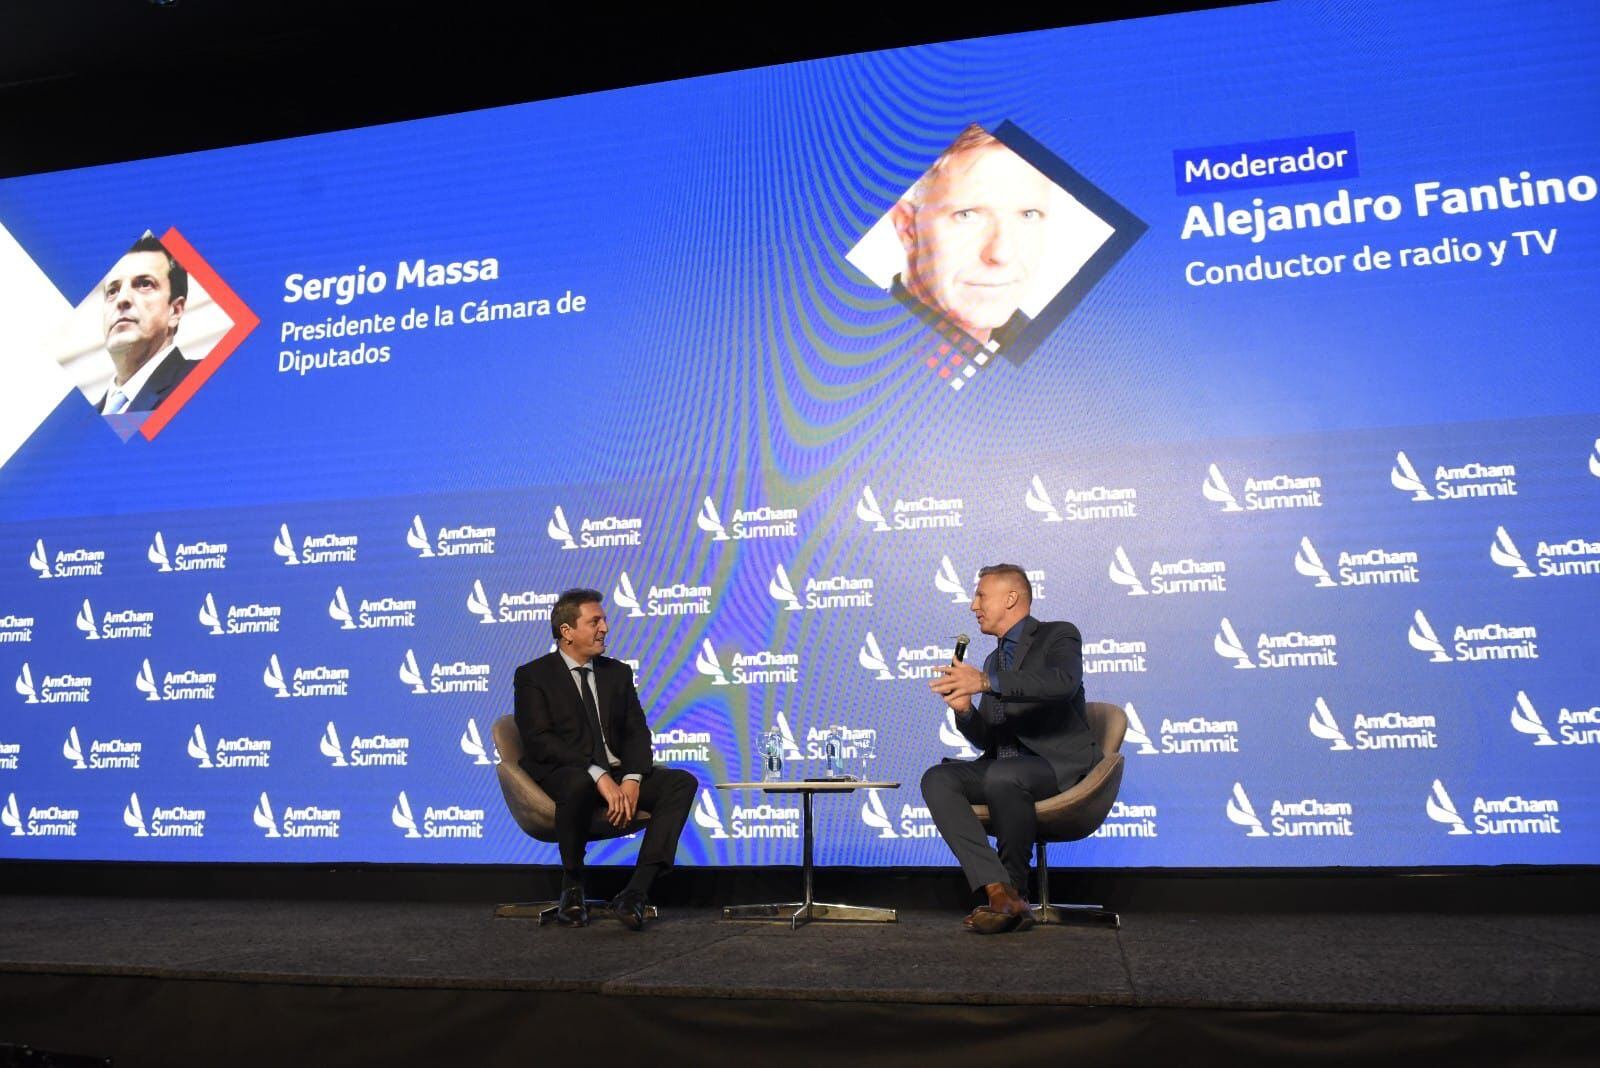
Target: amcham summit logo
[(1294, 649), (296, 821), (116, 624), (763, 668), (921, 662), (523, 606), (52, 689), (1263, 494), (1461, 482), (748, 523), (1367, 567), (187, 556), (678, 599), (383, 613), (1081, 504), (1575, 726), (240, 618), (462, 540), (1306, 817), (1186, 575), (459, 677), (835, 591), (918, 513), (1512, 814), (186, 685), (317, 681), (67, 563), (1574, 556), (315, 549), (604, 532), (1490, 641)]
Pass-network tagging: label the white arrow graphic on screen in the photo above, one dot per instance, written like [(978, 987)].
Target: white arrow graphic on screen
[(1324, 726), (478, 603), (1216, 489), (1443, 810), (1240, 811), (868, 511), (1504, 552), (1038, 500), (1525, 718), (706, 663), (1136, 734), (1424, 640), (1123, 574), (417, 537), (157, 553), (709, 521), (1309, 564), (1404, 477), (874, 816)]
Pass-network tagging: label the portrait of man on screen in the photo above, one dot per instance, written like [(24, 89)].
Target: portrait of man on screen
[(980, 244), (138, 334), (142, 303)]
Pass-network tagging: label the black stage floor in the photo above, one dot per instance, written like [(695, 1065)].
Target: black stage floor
[(200, 981)]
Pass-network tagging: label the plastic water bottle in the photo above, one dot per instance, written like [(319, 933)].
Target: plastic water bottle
[(833, 752)]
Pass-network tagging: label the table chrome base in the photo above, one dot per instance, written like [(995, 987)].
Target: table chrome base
[(545, 911), (1076, 915), (795, 913)]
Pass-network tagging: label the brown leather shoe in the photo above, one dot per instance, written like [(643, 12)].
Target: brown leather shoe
[(1006, 911)]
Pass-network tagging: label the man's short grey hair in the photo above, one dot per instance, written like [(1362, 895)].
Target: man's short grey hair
[(973, 137), (1014, 573)]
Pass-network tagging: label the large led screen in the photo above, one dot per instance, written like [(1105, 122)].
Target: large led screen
[(1263, 338)]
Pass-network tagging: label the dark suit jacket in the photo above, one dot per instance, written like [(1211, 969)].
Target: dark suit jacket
[(555, 727), (1043, 695), (168, 373)]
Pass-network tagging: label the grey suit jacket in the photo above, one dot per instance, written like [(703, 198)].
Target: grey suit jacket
[(1042, 695)]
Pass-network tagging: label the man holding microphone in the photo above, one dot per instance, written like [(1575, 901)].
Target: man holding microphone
[(1025, 711)]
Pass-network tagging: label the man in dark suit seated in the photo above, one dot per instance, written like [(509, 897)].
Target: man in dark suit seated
[(1029, 722), (586, 743), (144, 300)]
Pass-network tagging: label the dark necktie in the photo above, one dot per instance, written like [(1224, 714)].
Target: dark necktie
[(593, 707), (994, 709)]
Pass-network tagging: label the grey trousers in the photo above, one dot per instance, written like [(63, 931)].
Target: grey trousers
[(1010, 788)]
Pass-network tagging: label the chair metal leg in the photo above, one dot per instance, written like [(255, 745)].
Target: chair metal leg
[(1064, 915), (528, 910), (545, 911)]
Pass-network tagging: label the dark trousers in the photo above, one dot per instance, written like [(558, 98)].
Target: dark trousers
[(666, 793), (1009, 787)]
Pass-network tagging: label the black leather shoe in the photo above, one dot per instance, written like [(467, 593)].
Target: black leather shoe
[(572, 912), (631, 907)]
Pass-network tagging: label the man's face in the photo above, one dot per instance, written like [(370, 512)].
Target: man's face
[(994, 603), (587, 637), (975, 241), (139, 313)]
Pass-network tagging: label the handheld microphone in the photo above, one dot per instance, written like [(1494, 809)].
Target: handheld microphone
[(961, 648)]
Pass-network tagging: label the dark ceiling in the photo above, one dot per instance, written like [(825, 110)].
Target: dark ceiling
[(97, 81)]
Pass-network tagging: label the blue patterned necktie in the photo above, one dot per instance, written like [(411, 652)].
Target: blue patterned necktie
[(994, 711)]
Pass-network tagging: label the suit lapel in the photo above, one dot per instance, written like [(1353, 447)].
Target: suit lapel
[(167, 374), (562, 683), (1029, 628)]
